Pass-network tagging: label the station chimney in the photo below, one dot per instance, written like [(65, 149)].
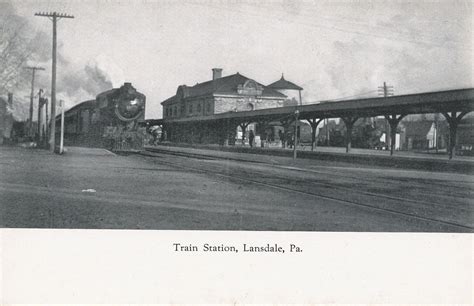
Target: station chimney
[(216, 73)]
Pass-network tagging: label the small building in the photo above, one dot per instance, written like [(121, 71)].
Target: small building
[(423, 135)]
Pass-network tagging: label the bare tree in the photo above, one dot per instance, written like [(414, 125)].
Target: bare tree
[(17, 46)]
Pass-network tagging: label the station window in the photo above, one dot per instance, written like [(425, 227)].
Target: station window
[(208, 107), (190, 109), (199, 107), (183, 109)]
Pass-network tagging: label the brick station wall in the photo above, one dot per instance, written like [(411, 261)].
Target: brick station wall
[(199, 132), (239, 104)]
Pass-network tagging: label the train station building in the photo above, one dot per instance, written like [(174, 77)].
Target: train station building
[(219, 122), (224, 94), (233, 93)]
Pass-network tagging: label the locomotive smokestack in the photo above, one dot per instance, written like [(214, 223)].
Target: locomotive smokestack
[(216, 73)]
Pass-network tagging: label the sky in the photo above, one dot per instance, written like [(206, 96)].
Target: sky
[(333, 49)]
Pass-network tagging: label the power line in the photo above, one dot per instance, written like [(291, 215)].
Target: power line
[(346, 97), (319, 25), (54, 17), (369, 27)]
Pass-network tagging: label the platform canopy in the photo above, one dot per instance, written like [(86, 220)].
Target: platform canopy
[(459, 100)]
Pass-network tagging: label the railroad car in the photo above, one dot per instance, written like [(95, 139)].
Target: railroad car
[(112, 120)]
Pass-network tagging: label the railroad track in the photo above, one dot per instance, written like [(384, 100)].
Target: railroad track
[(343, 177), (352, 179), (250, 180)]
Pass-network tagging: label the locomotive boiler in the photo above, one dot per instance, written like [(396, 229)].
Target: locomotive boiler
[(113, 120)]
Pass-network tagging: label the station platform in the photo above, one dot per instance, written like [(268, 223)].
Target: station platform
[(356, 158)]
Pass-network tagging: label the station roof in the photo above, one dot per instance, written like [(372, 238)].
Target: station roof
[(284, 84), (227, 85), (430, 102)]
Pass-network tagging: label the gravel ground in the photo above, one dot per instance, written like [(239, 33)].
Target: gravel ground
[(95, 189)]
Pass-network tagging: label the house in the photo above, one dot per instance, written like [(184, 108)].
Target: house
[(424, 135)]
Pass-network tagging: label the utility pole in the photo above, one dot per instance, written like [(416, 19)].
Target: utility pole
[(436, 119), (385, 90), (33, 72), (46, 122), (61, 141), (327, 132), (295, 143), (40, 100), (297, 113), (54, 17)]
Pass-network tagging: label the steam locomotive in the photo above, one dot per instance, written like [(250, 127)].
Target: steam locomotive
[(114, 120)]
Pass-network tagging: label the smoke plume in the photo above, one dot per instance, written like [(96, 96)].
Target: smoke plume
[(21, 45)]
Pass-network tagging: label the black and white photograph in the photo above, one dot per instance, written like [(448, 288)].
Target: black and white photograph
[(241, 119)]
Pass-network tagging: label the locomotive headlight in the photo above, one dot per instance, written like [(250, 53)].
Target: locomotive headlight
[(129, 107), (134, 103)]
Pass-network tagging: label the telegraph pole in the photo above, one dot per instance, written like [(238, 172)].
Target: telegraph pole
[(436, 119), (297, 113), (54, 17), (61, 139), (46, 122), (295, 143), (327, 132), (385, 90), (38, 138), (33, 72)]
